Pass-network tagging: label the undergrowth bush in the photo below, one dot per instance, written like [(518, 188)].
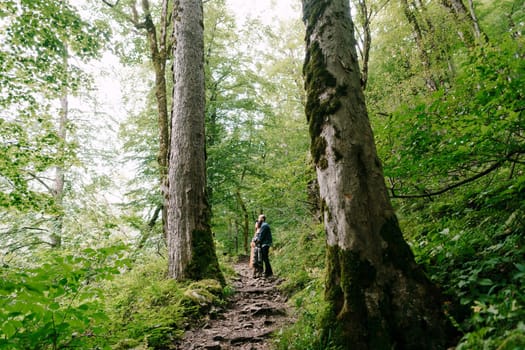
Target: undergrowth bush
[(472, 245), (149, 310), (67, 300), (144, 307), (56, 301), (300, 259)]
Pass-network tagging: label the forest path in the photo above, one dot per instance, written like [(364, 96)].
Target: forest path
[(254, 312)]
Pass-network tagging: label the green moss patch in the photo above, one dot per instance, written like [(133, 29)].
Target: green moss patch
[(323, 99), (204, 263)]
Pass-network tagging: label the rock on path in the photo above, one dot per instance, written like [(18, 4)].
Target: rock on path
[(255, 311)]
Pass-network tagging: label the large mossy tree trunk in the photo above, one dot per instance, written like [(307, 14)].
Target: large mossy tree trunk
[(378, 297), (191, 248)]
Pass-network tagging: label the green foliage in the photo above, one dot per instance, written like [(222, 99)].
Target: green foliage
[(27, 147), (44, 43), (257, 152), (72, 300), (147, 309), (466, 129), (39, 35), (473, 247), (235, 114), (140, 142), (58, 303), (300, 256), (465, 142), (300, 260), (470, 239), (470, 243), (144, 307), (305, 333)]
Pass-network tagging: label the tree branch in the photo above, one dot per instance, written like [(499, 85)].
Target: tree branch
[(451, 187), (155, 216), (110, 4), (49, 189), (20, 245), (133, 20), (151, 223)]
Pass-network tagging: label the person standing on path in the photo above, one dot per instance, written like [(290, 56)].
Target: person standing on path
[(255, 253), (264, 238)]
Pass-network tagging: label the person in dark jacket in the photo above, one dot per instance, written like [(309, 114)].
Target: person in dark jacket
[(264, 238)]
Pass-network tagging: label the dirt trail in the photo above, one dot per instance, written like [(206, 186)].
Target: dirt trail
[(255, 311)]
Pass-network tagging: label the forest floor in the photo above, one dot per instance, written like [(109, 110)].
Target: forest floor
[(255, 311)]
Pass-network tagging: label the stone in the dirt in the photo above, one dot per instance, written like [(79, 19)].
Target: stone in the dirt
[(243, 340), (213, 346), (269, 311)]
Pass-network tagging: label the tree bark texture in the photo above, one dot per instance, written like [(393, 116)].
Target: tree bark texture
[(58, 188), (467, 22), (364, 16), (475, 22), (410, 11), (378, 297), (158, 50), (245, 223), (191, 247)]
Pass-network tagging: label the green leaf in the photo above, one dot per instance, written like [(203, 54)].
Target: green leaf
[(520, 267), (8, 329), (54, 306)]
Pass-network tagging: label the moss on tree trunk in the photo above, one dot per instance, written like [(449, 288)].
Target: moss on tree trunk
[(203, 263), (378, 297), (384, 307)]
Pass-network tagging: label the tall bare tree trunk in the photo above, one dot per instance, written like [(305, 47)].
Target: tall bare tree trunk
[(465, 17), (158, 49), (191, 248), (379, 298), (364, 18), (475, 22), (410, 13), (58, 188), (245, 221)]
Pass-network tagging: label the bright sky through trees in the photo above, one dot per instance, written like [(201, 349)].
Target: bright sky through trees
[(267, 10)]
